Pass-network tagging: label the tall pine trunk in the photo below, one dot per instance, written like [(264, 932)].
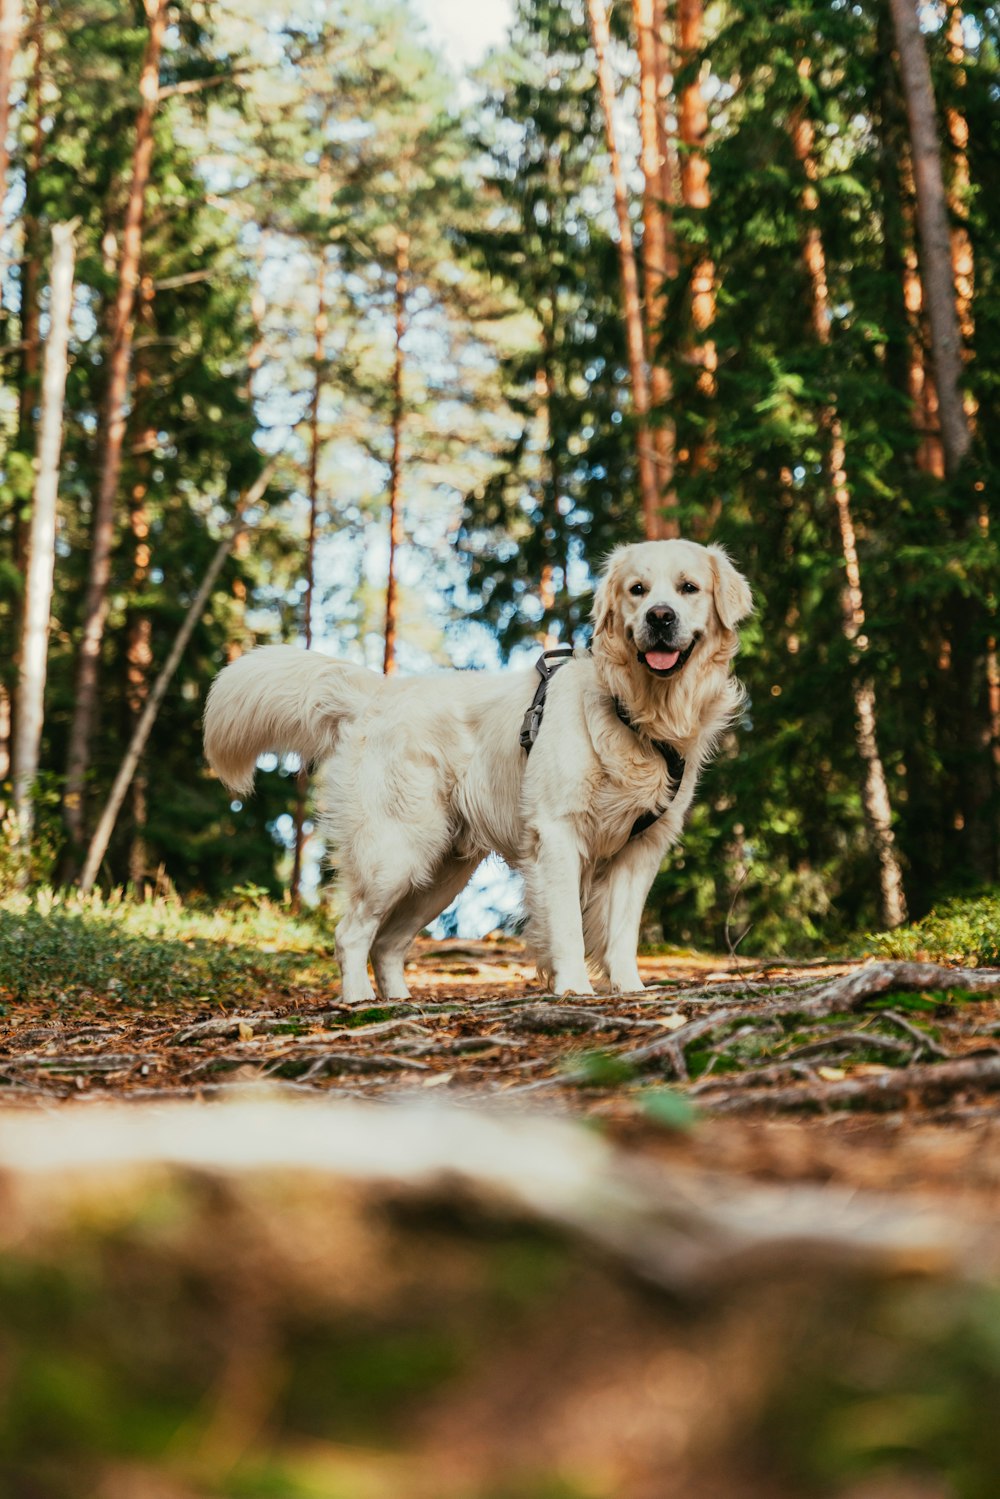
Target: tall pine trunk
[(29, 367), (42, 542), (396, 461), (634, 334), (692, 123), (875, 790), (659, 256), (103, 524), (936, 270)]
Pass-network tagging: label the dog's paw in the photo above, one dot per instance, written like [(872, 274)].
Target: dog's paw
[(572, 984), (626, 983)]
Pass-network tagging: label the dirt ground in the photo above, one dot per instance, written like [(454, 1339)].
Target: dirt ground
[(730, 1064)]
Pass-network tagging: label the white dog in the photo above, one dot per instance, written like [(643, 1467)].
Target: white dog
[(425, 776)]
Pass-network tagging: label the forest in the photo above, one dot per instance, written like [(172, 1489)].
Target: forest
[(385, 361), (374, 326)]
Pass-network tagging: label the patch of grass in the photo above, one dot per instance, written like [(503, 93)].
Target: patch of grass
[(668, 1108), (67, 950), (600, 1069), (962, 931)]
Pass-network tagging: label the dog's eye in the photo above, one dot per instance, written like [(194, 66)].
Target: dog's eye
[(690, 588), (637, 590)]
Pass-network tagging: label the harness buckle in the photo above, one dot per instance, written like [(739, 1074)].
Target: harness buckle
[(546, 666)]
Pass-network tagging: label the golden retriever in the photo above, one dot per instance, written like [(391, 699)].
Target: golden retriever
[(425, 776)]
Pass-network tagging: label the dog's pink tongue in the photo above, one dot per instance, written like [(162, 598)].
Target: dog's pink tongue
[(662, 660)]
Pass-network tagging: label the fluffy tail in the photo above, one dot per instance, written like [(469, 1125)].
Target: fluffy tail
[(279, 698)]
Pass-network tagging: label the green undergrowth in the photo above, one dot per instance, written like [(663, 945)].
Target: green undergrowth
[(961, 931), (64, 948)]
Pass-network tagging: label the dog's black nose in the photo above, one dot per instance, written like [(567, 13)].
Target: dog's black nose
[(661, 614)]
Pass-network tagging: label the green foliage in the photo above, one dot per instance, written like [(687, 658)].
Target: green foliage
[(966, 932)]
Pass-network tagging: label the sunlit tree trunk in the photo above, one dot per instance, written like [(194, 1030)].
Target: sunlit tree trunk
[(634, 336), (119, 364), (875, 792), (659, 258), (963, 270), (936, 267), (692, 123), (42, 542), (396, 461), (29, 367)]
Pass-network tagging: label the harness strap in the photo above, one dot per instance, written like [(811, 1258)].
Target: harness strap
[(546, 666), (675, 768)]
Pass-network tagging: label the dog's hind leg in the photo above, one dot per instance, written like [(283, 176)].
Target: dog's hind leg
[(407, 918)]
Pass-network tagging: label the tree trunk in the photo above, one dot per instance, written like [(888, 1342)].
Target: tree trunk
[(10, 33), (875, 792), (102, 532), (659, 256), (963, 270), (29, 366), (396, 462), (140, 735), (42, 543), (319, 361), (935, 233), (634, 338), (693, 127)]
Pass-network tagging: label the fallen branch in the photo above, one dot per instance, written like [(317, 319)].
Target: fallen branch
[(890, 1086)]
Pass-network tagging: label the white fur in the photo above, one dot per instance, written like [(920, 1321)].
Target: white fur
[(425, 776)]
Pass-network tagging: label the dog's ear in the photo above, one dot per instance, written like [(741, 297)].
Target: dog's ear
[(733, 599), (603, 612)]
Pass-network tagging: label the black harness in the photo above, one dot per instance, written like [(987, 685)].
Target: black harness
[(546, 666)]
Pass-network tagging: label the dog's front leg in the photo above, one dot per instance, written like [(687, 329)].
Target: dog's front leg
[(552, 879), (626, 885)]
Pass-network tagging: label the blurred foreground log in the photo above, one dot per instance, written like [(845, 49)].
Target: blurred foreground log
[(349, 1301)]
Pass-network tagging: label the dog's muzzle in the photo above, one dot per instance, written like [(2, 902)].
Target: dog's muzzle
[(664, 661)]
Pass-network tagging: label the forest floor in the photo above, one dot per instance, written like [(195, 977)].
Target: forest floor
[(767, 1266), (864, 1073)]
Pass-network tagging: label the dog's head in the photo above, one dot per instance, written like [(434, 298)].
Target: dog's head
[(665, 613)]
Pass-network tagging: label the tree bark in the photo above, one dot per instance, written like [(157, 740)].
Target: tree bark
[(659, 256), (396, 462), (692, 128), (42, 543), (140, 735), (875, 792), (935, 232), (102, 533), (29, 366), (635, 341)]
